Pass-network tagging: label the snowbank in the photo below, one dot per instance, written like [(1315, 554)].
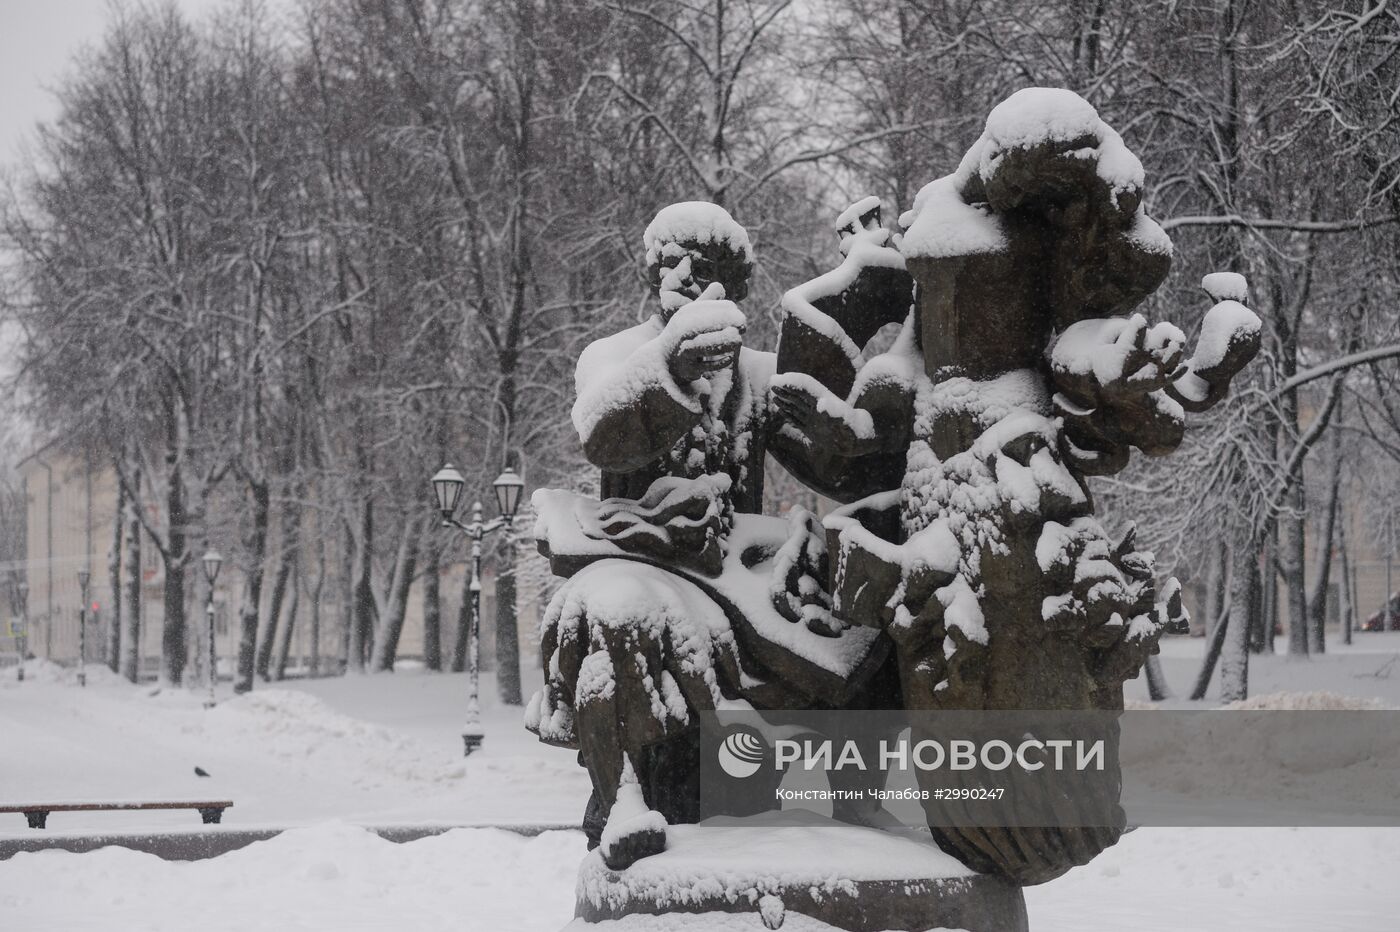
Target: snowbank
[(326, 877), (334, 878), (1320, 700)]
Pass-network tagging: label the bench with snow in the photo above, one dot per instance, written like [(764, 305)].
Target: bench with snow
[(38, 813)]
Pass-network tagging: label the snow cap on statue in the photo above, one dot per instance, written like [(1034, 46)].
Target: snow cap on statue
[(697, 222), (693, 244)]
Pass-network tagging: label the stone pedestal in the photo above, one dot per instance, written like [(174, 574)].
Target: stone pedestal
[(799, 873)]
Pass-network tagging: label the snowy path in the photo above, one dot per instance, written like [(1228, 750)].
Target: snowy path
[(374, 750)]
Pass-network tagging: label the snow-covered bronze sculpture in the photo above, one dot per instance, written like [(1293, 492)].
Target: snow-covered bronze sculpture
[(1019, 372), (680, 597), (964, 568)]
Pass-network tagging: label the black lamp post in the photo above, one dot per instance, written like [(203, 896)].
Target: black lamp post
[(447, 486), (212, 561), (84, 577)]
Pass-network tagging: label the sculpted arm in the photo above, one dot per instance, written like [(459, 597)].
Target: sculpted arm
[(642, 390)]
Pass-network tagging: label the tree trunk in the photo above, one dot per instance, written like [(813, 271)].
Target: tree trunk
[(386, 640), (285, 628), (173, 639), (131, 626), (1234, 656), (114, 578), (507, 628), (271, 630), (1157, 688), (1292, 543), (1317, 601), (1218, 586), (1214, 643), (314, 662), (256, 545), (1269, 584), (1347, 605), (432, 614), (363, 608), (286, 562), (347, 597)]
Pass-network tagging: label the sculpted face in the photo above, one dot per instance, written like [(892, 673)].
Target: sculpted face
[(684, 270)]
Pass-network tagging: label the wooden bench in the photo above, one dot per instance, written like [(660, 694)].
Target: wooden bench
[(38, 813)]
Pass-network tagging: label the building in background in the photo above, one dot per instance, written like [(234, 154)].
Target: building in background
[(71, 506)]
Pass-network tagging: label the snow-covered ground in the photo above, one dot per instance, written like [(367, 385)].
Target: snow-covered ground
[(1368, 668), (331, 755), (375, 750)]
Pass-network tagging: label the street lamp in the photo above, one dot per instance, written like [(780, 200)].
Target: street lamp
[(212, 561), (508, 486), (447, 486), (84, 577)]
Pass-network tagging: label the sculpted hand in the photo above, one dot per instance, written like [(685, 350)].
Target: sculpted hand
[(704, 336), (826, 420), (705, 354)]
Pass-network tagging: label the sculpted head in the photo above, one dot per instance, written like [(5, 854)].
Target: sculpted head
[(691, 246)]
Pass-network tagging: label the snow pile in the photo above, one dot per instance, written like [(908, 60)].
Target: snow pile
[(1323, 760), (1319, 700), (42, 670), (383, 749), (1147, 234), (326, 877), (333, 878), (695, 222), (305, 732)]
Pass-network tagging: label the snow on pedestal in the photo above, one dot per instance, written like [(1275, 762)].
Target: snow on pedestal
[(795, 869)]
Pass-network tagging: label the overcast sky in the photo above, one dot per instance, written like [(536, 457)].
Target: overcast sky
[(37, 39)]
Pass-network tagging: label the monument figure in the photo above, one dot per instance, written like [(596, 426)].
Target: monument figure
[(964, 568), (659, 618)]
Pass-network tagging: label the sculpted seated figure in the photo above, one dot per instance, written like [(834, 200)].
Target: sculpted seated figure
[(660, 616)]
